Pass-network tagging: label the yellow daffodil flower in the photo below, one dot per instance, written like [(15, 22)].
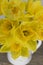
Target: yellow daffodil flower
[(15, 48), (13, 9), (24, 32), (5, 27), (34, 6)]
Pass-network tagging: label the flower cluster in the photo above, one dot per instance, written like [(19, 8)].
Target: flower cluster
[(21, 27)]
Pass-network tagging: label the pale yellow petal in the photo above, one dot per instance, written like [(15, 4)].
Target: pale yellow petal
[(34, 6)]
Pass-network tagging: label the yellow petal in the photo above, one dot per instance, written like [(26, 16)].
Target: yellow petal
[(12, 9), (24, 32), (15, 46), (40, 33), (15, 55), (25, 52), (39, 15), (34, 6), (5, 26), (0, 7), (4, 49), (27, 17), (32, 45)]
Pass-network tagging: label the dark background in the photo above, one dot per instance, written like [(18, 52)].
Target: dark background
[(37, 58)]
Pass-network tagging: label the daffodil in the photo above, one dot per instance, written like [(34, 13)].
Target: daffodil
[(24, 32), (5, 27), (13, 8), (39, 15), (33, 11), (15, 47), (33, 6)]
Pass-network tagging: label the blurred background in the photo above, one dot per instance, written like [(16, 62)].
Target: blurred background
[(37, 58)]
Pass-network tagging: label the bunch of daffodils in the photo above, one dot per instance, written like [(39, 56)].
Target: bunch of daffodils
[(21, 26)]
